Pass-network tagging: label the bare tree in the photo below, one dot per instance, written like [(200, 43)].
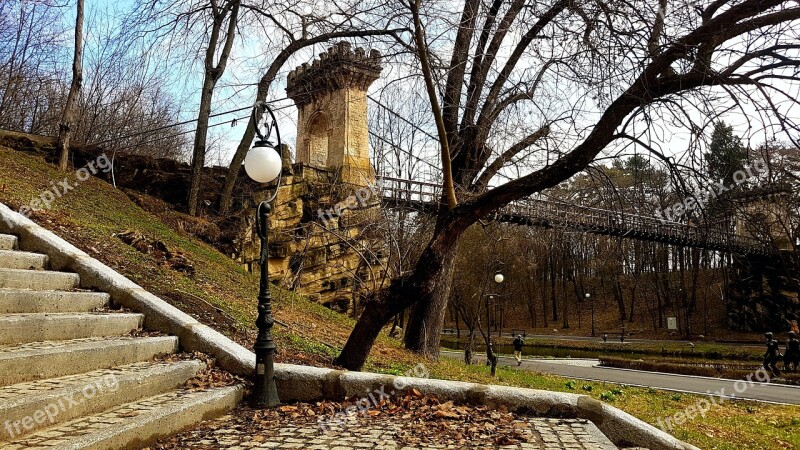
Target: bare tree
[(224, 19), (621, 54), (31, 35), (68, 117)]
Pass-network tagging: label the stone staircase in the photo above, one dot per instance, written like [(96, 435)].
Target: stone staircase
[(77, 374)]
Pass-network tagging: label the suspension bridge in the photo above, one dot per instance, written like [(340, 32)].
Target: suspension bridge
[(424, 197)]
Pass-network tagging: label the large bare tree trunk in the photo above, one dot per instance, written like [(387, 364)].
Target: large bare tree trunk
[(427, 320), (472, 154), (68, 117), (199, 147), (421, 286)]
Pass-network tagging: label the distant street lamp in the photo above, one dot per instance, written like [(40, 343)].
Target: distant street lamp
[(498, 278), (263, 164), (591, 303)]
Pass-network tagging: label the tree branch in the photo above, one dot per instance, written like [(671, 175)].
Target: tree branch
[(422, 52), (497, 164)]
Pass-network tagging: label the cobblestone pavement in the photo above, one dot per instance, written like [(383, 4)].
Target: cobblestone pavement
[(382, 434)]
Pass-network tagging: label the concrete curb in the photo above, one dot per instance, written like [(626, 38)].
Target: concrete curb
[(301, 383), (159, 315)]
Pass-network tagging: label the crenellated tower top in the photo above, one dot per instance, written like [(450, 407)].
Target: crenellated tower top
[(338, 68)]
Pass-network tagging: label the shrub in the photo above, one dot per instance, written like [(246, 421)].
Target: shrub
[(608, 396)]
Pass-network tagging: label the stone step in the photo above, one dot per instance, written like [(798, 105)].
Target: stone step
[(38, 280), (134, 425), (50, 359), (28, 407), (14, 301), (14, 259), (22, 328), (8, 242)]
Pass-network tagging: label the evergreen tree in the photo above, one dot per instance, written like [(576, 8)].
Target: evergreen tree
[(725, 155)]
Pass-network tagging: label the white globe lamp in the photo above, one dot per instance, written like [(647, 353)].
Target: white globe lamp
[(262, 163)]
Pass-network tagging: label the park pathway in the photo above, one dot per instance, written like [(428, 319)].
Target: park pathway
[(588, 370)]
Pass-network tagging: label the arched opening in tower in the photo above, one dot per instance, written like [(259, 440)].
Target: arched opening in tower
[(318, 140)]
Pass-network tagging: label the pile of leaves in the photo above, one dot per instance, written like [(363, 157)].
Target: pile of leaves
[(432, 422), (420, 420), (424, 419), (210, 377), (173, 259)]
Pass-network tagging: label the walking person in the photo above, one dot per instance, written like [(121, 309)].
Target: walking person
[(772, 356), (791, 359), (518, 344)]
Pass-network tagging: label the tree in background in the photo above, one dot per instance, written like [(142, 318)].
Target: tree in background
[(125, 103), (223, 27), (32, 39), (725, 155), (68, 117)]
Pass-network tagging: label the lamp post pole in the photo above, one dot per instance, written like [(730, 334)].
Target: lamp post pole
[(498, 278), (591, 305), (265, 392), (263, 164)]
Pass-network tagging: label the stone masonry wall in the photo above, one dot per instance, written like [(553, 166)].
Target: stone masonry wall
[(332, 258)]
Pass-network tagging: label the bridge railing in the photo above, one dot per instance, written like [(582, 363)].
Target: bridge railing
[(409, 191)]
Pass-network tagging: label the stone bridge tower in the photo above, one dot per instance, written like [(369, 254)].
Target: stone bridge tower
[(331, 99), (323, 243)]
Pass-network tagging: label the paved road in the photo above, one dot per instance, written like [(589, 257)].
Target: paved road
[(613, 338), (774, 393)]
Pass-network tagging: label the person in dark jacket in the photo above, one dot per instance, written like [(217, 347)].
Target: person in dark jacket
[(518, 344), (791, 358), (772, 356)]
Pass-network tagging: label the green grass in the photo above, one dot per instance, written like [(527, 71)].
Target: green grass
[(90, 215)]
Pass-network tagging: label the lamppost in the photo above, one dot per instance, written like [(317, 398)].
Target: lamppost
[(498, 278), (591, 303), (263, 164)]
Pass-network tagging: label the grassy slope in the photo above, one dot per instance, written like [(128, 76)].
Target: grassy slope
[(222, 294)]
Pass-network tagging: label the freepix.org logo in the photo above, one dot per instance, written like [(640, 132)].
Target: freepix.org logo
[(49, 413), (676, 211), (59, 189)]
